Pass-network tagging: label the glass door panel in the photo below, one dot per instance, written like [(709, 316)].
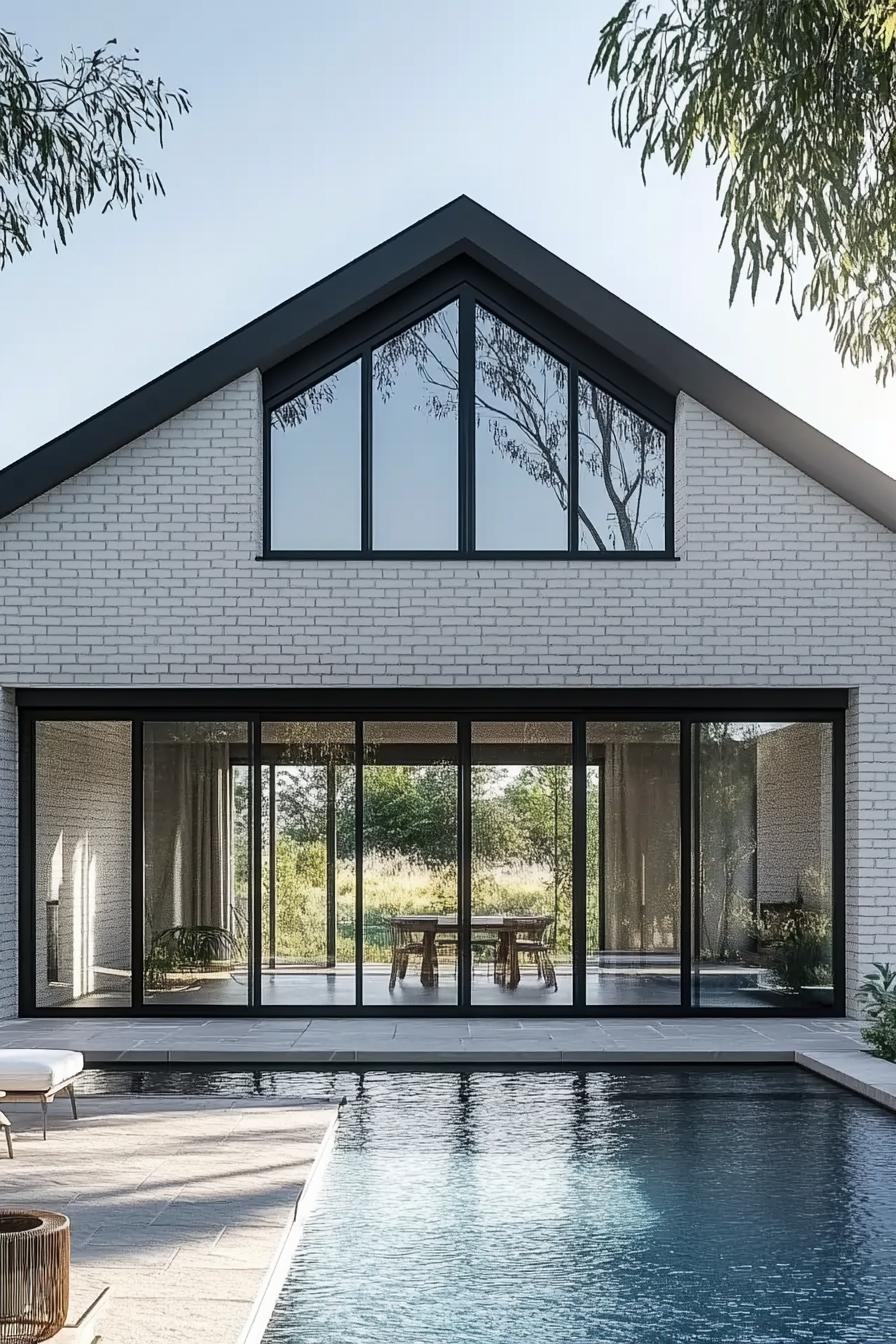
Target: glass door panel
[(82, 864), (633, 866), (197, 864), (521, 870), (763, 865), (410, 864), (308, 864)]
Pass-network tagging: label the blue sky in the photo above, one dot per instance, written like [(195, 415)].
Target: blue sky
[(319, 129)]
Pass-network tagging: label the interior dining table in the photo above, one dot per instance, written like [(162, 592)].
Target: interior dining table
[(508, 928)]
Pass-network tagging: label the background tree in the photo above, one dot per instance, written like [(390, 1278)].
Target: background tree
[(411, 810), (793, 103), (726, 849), (628, 455), (67, 139), (540, 799), (521, 403)]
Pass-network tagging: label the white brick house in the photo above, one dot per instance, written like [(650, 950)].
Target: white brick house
[(712, 703)]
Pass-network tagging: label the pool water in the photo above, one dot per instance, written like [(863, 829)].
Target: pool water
[(626, 1206)]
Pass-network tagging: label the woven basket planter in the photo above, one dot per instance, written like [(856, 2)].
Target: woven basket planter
[(35, 1252)]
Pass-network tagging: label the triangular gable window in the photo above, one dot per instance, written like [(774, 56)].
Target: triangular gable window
[(461, 432)]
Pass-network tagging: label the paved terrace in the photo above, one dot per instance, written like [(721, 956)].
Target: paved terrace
[(271, 1042), (183, 1207)]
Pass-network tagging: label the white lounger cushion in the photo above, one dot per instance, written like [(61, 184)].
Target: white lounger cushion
[(37, 1070)]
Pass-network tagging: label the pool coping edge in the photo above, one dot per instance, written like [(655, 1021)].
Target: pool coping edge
[(423, 1056), (276, 1273), (858, 1070)]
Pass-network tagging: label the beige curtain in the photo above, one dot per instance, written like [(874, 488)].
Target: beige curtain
[(642, 846), (187, 829)]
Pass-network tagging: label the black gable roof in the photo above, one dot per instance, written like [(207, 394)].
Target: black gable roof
[(461, 228)]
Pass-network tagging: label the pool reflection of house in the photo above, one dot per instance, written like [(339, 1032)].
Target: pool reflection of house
[(452, 637)]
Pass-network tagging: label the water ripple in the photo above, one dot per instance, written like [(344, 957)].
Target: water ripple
[(626, 1206)]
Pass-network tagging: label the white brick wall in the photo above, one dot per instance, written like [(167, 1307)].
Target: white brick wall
[(142, 570), (8, 834)]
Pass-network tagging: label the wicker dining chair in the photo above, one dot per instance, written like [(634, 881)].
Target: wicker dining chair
[(447, 943), (404, 946), (486, 943), (536, 944)]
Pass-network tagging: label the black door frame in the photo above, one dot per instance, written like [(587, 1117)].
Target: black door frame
[(463, 706)]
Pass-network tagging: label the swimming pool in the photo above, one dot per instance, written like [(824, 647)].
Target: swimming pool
[(654, 1205)]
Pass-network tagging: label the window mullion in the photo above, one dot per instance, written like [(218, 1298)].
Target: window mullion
[(137, 865), (464, 862), (689, 914), (255, 855), (466, 384), (572, 466), (367, 451), (579, 921), (359, 862)]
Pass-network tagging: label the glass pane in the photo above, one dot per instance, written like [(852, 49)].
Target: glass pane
[(415, 437), (410, 864), (522, 456), (308, 863), (763, 878), (316, 466), (521, 925), (633, 863), (622, 476), (82, 864), (197, 863)]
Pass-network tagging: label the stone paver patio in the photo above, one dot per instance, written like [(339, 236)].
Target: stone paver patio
[(181, 1205), (247, 1042)]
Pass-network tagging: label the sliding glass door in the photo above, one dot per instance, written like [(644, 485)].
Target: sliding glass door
[(307, 928), (434, 863), (409, 876), (521, 869), (82, 864), (197, 870), (764, 865), (633, 889)]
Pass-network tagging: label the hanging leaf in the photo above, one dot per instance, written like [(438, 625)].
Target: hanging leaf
[(68, 140), (794, 105)]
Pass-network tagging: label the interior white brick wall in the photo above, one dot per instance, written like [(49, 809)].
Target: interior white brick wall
[(83, 858), (142, 570), (793, 814)]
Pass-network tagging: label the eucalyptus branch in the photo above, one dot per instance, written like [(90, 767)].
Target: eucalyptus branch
[(68, 140), (793, 103)]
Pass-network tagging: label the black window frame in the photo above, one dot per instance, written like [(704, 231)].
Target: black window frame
[(470, 290), (579, 706)]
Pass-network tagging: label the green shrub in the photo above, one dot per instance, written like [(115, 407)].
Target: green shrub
[(797, 944), (880, 1034), (195, 947), (794, 942), (878, 996)]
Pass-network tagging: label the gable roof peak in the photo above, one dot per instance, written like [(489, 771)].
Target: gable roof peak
[(460, 227)]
